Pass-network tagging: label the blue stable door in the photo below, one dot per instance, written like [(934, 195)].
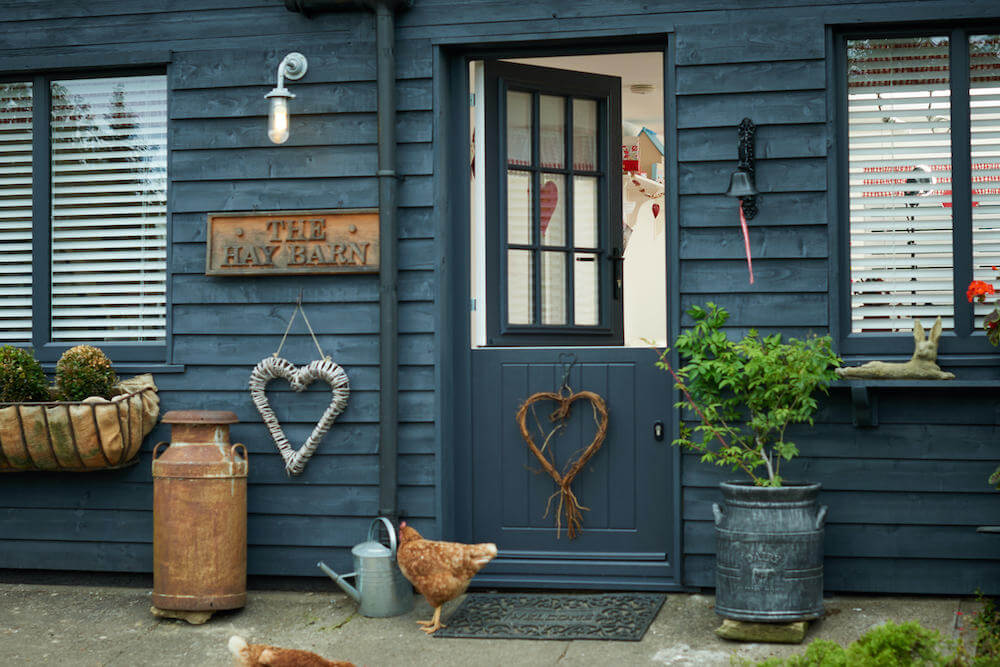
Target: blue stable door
[(554, 322)]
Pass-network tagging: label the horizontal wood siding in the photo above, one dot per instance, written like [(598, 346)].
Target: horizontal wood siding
[(904, 497), (222, 62)]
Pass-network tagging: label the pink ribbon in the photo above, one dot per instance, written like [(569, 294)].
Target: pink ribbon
[(746, 240)]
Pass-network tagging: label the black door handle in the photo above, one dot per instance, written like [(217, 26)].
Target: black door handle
[(617, 258)]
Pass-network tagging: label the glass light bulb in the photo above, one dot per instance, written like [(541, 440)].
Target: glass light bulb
[(277, 120)]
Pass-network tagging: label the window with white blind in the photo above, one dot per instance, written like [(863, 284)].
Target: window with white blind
[(83, 184), (15, 212), (922, 125)]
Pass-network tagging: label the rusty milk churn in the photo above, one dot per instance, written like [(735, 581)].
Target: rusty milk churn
[(199, 515)]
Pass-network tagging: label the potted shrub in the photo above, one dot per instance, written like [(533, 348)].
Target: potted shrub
[(769, 531), (21, 376), (94, 423), (82, 372)]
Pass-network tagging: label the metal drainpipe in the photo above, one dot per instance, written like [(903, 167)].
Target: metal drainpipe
[(385, 39)]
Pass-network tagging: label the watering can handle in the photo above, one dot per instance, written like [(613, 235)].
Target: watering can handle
[(388, 528)]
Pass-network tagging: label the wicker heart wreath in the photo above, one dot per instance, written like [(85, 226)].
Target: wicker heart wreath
[(299, 378), (568, 503)]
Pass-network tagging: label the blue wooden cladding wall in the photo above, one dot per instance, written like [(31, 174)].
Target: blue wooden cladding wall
[(904, 497), (223, 58)]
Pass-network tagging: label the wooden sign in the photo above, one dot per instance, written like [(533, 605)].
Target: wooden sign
[(292, 242)]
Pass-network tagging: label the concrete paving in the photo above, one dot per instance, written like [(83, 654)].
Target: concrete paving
[(49, 624)]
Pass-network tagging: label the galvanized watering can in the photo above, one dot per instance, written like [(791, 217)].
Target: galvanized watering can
[(382, 590)]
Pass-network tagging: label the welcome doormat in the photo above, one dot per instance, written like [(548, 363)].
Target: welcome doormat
[(608, 616)]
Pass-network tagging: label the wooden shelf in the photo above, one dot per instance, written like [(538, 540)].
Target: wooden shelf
[(864, 397)]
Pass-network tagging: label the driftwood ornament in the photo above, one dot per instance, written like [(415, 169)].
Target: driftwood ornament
[(299, 378), (921, 366), (569, 506)]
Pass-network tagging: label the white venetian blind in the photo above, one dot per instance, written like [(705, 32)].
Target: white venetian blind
[(109, 184), (899, 148), (984, 103), (15, 213)]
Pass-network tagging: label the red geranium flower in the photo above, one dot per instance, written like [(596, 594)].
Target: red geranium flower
[(979, 289)]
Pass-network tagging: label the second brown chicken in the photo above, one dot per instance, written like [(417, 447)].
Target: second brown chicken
[(440, 571)]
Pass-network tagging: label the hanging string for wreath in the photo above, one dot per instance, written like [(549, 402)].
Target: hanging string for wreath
[(569, 506), (299, 378)]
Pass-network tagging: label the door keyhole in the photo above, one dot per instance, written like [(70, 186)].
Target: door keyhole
[(658, 431)]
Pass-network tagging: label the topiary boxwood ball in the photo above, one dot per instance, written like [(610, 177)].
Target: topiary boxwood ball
[(21, 376), (84, 371)]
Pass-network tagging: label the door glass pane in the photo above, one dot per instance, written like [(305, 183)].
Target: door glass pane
[(899, 154), (984, 99), (585, 274), (518, 128), (585, 211), (518, 207), (520, 278), (553, 288), (553, 149), (552, 207), (584, 134)]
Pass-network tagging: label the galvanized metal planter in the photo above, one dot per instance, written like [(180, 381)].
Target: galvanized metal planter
[(77, 436), (769, 552)]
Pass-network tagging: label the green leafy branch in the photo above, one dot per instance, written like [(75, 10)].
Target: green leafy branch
[(747, 393)]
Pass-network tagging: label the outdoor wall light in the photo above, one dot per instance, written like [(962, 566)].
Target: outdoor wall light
[(741, 182), (293, 66)]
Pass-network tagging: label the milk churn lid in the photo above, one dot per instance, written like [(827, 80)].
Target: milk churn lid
[(371, 550), (200, 417)]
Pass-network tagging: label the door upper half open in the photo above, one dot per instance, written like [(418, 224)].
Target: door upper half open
[(568, 243)]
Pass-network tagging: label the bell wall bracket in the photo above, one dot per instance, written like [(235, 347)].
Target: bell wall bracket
[(747, 137)]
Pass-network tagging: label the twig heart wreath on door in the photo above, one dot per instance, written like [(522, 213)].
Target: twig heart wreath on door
[(299, 378), (569, 506)]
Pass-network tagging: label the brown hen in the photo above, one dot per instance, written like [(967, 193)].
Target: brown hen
[(262, 655), (440, 571)]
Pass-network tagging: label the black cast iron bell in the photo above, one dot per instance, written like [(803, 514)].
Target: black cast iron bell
[(740, 185)]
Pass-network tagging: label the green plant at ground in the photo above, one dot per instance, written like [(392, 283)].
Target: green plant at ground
[(906, 644), (747, 393), (21, 376), (986, 623), (84, 371), (888, 645)]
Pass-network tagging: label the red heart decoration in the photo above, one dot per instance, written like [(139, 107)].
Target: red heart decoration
[(656, 210), (549, 198)]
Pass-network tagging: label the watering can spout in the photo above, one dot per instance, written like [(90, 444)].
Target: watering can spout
[(350, 590)]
